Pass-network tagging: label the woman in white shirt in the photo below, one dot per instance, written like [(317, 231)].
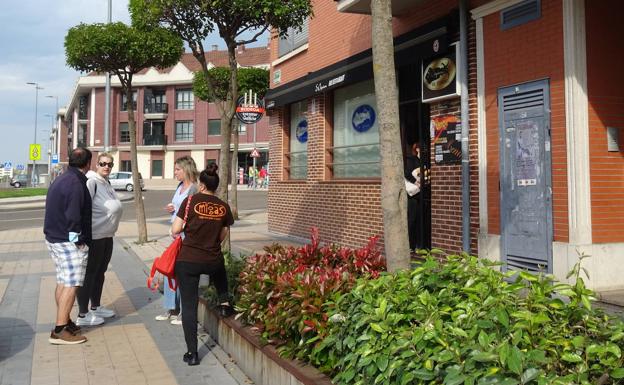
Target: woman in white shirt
[(106, 214)]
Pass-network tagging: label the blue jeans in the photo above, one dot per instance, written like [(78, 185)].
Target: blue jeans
[(171, 300)]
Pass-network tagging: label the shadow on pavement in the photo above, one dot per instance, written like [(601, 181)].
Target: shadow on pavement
[(16, 336)]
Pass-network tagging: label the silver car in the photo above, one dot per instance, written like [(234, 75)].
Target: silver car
[(123, 181)]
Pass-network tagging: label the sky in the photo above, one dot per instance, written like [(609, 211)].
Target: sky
[(32, 33)]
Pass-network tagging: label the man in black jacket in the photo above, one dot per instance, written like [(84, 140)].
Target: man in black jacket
[(67, 228)]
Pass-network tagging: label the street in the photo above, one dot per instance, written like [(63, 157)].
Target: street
[(155, 201)]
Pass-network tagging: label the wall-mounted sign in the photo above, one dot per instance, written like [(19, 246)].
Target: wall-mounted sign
[(440, 78), (328, 84), (363, 118), (446, 139), (249, 109), (55, 159), (302, 131), (277, 76)]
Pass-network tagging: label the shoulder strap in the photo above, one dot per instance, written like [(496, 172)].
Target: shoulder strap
[(188, 204)]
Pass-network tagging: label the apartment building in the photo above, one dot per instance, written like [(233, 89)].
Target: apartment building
[(544, 113), (171, 122)]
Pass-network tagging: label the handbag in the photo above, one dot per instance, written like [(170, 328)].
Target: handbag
[(411, 188), (165, 264)]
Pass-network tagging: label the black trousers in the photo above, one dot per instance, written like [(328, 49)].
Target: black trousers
[(414, 218), (100, 254), (187, 274)]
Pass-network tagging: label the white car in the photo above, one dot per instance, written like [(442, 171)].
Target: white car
[(123, 181)]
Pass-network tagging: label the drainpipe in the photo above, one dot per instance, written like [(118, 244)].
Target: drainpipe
[(463, 71)]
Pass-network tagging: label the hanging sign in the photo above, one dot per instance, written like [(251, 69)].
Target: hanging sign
[(249, 109), (446, 139), (439, 77)]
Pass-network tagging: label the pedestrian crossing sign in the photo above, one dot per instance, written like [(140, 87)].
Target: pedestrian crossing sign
[(35, 152), (255, 153)]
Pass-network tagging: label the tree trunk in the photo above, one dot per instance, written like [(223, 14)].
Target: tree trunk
[(234, 190), (226, 123), (393, 194), (138, 195)]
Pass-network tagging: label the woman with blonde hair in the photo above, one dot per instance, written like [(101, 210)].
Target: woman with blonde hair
[(185, 172)]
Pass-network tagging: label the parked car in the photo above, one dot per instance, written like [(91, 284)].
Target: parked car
[(20, 180), (123, 181)]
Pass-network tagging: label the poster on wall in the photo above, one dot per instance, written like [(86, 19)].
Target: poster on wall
[(446, 139), (440, 76)]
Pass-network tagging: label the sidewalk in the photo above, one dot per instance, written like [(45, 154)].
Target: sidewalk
[(131, 348)]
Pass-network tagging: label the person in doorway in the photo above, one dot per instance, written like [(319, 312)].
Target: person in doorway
[(185, 172), (67, 228), (207, 225), (106, 214), (411, 171)]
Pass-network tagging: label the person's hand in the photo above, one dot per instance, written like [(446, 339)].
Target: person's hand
[(169, 208)]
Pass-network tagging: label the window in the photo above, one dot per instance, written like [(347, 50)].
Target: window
[(124, 102), (124, 133), (125, 166), (520, 13), (83, 109), (294, 39), (184, 131), (242, 128), (214, 127), (82, 135), (157, 169), (356, 132), (184, 99), (155, 101), (298, 141)]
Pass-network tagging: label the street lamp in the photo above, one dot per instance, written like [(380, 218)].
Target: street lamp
[(33, 177)]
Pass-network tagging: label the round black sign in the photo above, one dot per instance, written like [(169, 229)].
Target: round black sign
[(251, 112)]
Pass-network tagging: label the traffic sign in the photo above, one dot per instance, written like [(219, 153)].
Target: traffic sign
[(20, 167), (8, 165), (35, 152), (255, 153), (54, 158)]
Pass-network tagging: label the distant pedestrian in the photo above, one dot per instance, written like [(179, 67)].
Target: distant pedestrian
[(107, 212), (252, 175), (263, 177), (67, 228), (185, 171), (208, 222)]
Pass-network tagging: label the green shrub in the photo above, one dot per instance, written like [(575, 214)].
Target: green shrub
[(286, 292), (233, 266), (463, 322)]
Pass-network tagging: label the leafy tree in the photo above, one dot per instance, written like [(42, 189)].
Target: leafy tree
[(249, 78), (393, 194), (193, 20), (123, 50)]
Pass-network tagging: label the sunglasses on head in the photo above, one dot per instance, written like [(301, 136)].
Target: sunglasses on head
[(109, 164)]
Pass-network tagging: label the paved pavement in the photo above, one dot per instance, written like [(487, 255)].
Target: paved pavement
[(131, 348)]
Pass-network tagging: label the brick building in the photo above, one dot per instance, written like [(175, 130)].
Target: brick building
[(170, 121), (545, 107)]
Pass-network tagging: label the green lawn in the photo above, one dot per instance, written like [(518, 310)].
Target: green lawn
[(22, 192)]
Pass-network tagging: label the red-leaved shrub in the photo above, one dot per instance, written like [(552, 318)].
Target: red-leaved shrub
[(287, 292)]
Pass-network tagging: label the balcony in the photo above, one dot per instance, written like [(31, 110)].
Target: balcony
[(156, 110), (399, 7), (154, 140)]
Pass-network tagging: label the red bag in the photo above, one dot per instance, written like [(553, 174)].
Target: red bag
[(165, 264)]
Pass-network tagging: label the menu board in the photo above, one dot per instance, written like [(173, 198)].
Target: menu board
[(446, 139)]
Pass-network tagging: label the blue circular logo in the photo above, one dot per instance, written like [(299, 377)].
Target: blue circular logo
[(302, 131), (363, 118)]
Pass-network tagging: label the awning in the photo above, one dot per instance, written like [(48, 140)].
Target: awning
[(423, 42)]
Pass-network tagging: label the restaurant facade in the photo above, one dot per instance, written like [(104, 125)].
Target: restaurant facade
[(517, 107)]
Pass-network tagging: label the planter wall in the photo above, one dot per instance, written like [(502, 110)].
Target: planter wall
[(262, 364)]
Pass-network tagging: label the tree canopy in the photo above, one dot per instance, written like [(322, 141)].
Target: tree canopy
[(255, 79), (120, 49)]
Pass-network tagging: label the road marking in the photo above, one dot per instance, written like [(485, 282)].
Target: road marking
[(21, 219)]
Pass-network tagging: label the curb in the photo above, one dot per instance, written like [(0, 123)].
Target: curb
[(39, 202)]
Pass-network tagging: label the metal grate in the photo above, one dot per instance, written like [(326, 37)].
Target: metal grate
[(525, 263), (520, 13), (523, 100)]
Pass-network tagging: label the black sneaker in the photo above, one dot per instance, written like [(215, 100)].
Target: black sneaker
[(225, 310)]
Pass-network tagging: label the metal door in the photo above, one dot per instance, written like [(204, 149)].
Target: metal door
[(525, 177)]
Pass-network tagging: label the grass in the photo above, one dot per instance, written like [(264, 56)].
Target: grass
[(22, 192)]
